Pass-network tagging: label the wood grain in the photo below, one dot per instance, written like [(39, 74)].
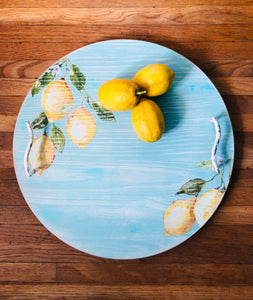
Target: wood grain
[(120, 4), (76, 16), (216, 263), (192, 33), (80, 291)]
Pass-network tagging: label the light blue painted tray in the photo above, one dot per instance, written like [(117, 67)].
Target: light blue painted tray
[(109, 199)]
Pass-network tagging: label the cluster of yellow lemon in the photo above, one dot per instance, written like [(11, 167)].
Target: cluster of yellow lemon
[(80, 125), (124, 94), (181, 214)]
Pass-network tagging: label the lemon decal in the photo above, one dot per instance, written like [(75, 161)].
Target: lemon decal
[(179, 217), (155, 79), (55, 95), (42, 154), (148, 121), (119, 94), (206, 204), (81, 127)]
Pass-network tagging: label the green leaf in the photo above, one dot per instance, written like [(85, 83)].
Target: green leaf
[(102, 113), (40, 121), (77, 78), (66, 107), (207, 164), (36, 88), (44, 80), (57, 138), (192, 187)]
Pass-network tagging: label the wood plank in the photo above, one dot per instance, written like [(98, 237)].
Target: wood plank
[(242, 123), (7, 123), (191, 33), (203, 14), (136, 274), (192, 250), (6, 139), (26, 234), (123, 291), (17, 215), (239, 104), (27, 272), (11, 69), (6, 160), (203, 51), (116, 3), (14, 198), (131, 273), (10, 105), (234, 85), (231, 215)]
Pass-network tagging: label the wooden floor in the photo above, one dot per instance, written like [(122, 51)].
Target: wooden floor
[(217, 262)]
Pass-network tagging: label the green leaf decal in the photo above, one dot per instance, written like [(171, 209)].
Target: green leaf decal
[(40, 121), (192, 187), (44, 80), (102, 113), (66, 107), (207, 164), (57, 138), (36, 88), (77, 78)]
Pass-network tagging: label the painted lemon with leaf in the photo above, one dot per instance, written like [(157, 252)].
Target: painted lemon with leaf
[(81, 127), (54, 97), (42, 154)]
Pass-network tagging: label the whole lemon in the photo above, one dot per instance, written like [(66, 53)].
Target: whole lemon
[(155, 79), (42, 154), (148, 121), (55, 95), (119, 94), (179, 217), (206, 205), (81, 127)]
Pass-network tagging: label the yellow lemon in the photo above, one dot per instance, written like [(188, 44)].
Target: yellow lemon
[(148, 121), (155, 79), (119, 94), (206, 205), (55, 95), (42, 154), (179, 217), (81, 127)]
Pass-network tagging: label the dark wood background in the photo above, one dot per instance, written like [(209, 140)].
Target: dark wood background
[(216, 263)]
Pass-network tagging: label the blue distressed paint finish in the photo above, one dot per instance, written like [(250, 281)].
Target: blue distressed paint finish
[(109, 198)]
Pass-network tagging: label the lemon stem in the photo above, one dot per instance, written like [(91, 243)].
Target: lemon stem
[(139, 93)]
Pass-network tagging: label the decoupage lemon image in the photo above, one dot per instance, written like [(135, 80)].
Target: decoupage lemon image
[(55, 95), (81, 127), (179, 217), (42, 154), (206, 204)]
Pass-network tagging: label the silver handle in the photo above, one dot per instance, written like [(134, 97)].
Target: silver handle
[(28, 149), (215, 145)]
